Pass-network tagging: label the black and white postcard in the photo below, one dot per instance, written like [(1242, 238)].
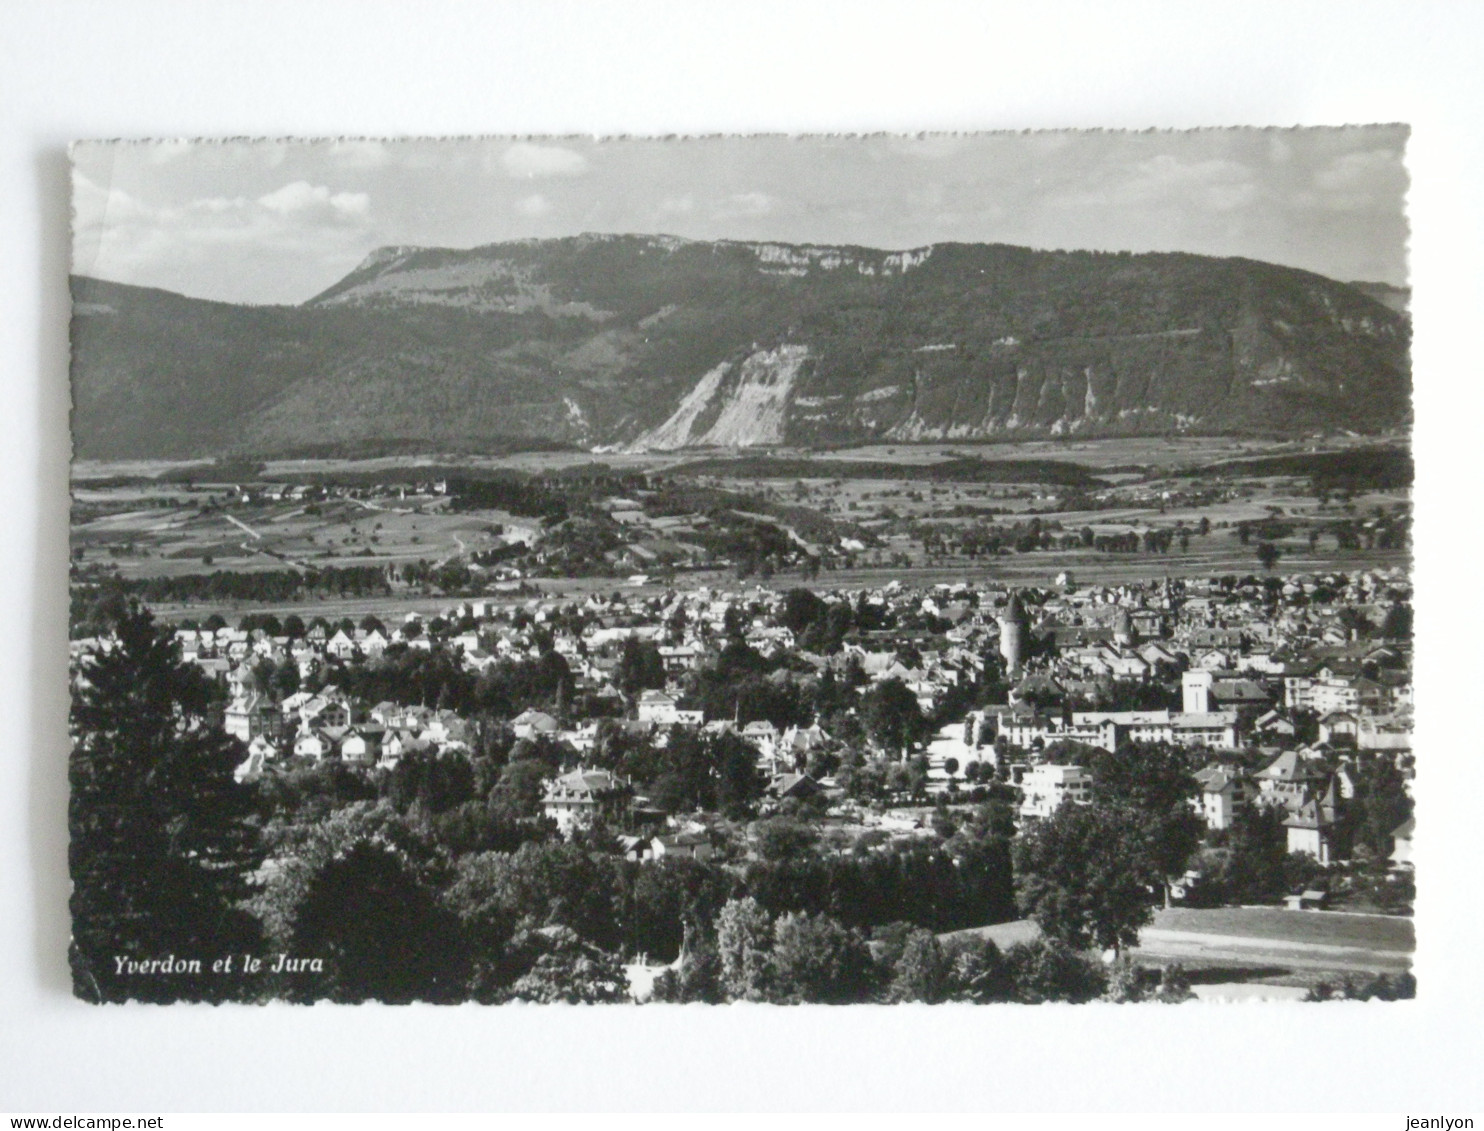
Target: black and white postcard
[(826, 569)]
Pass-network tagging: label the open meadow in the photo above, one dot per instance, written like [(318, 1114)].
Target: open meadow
[(1257, 947), (433, 527)]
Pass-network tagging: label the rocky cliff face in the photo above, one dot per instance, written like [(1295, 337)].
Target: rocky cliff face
[(738, 404), (662, 343)]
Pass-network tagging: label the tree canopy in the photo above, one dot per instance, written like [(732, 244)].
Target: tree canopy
[(893, 717), (163, 837), (1153, 785), (1086, 875)]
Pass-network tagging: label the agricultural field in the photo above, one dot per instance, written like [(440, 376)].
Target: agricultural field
[(1258, 947), (176, 531), (1272, 946), (1389, 933), (1026, 513)]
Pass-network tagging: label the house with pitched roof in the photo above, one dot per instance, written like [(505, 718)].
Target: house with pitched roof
[(1288, 778), (1384, 732), (1311, 826), (316, 744), (657, 707), (397, 744), (1271, 724), (532, 723), (577, 799), (362, 744), (801, 786), (693, 845), (251, 714), (1223, 789), (1154, 653), (797, 743), (1339, 728)]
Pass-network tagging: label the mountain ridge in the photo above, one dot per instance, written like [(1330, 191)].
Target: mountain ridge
[(654, 341)]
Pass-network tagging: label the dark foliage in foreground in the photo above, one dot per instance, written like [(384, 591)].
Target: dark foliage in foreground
[(798, 958), (163, 839)]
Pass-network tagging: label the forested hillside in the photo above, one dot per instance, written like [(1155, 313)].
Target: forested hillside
[(664, 343)]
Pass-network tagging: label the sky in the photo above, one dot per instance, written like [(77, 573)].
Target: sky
[(265, 221)]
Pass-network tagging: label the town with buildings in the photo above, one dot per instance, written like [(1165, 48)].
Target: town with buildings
[(711, 725)]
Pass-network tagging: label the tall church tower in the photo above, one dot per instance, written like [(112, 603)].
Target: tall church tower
[(1012, 635)]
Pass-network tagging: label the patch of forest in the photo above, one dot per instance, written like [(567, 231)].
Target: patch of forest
[(964, 469), (1373, 468)]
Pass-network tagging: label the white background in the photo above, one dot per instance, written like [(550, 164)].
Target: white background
[(141, 69)]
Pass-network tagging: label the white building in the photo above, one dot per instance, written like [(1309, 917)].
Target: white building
[(1215, 729), (657, 707), (574, 800), (1223, 789), (1046, 786), (532, 723)]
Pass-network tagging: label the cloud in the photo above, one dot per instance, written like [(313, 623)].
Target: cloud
[(94, 206), (351, 203), (1369, 180), (744, 204), (535, 205), (1360, 170), (217, 204), (677, 205), (1209, 185), (526, 159), (1215, 183), (300, 196), (119, 236)]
